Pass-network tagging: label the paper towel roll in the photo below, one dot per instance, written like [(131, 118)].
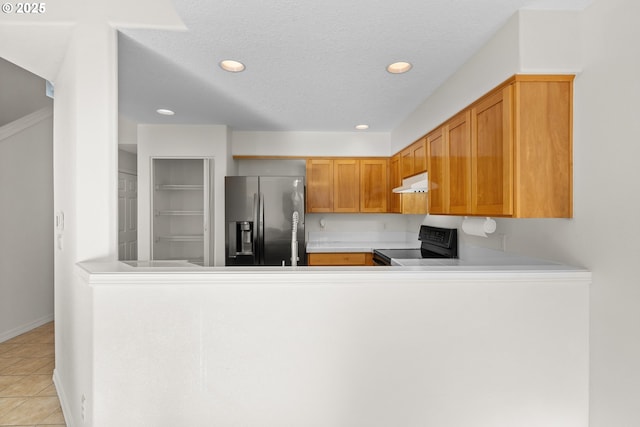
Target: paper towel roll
[(478, 226)]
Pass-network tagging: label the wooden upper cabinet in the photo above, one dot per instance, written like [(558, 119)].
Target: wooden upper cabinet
[(449, 155), (346, 185), (319, 185), (415, 203), (395, 180), (406, 162), (542, 117), (492, 155), (438, 174), (419, 154), (413, 159), (373, 185), (508, 154), (458, 136)]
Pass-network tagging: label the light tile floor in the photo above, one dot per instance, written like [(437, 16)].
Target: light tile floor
[(28, 397)]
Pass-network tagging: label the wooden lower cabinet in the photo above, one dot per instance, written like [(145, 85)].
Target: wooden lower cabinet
[(340, 258)]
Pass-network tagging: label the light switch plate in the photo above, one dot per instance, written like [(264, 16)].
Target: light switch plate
[(59, 221)]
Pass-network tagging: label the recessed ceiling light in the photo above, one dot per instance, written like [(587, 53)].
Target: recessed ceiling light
[(232, 66), (362, 127), (399, 67), (165, 112)]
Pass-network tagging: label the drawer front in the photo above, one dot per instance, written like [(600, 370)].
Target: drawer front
[(340, 258)]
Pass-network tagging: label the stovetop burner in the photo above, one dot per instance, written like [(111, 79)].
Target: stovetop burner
[(436, 243)]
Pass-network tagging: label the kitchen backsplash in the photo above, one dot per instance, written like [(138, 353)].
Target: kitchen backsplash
[(362, 222), (363, 236)]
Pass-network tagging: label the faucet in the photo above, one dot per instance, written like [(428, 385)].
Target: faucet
[(294, 239)]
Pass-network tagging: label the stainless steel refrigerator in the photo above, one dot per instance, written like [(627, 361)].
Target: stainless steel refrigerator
[(262, 226)]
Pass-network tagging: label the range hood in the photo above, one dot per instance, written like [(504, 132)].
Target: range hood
[(413, 184)]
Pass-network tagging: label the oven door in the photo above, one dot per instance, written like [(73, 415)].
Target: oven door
[(380, 259)]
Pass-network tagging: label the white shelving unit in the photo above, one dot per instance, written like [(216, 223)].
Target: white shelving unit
[(181, 210)]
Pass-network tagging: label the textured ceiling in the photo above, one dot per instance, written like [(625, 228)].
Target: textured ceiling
[(311, 66)]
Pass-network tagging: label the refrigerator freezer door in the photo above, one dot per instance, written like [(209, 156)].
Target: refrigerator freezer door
[(281, 196), (241, 214)]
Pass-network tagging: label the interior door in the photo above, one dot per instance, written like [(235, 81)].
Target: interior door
[(127, 216)]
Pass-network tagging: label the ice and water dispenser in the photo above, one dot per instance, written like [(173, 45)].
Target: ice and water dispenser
[(241, 244)]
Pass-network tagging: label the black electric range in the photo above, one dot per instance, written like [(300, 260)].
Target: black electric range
[(436, 242)]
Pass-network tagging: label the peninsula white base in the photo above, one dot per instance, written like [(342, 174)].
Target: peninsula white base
[(356, 347)]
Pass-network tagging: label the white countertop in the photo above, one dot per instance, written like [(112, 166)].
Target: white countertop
[(471, 259), (473, 262), (474, 258)]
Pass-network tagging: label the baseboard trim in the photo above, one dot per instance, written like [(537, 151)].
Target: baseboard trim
[(64, 402), (5, 336)]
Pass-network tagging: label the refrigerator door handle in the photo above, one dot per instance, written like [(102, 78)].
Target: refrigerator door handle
[(256, 233), (261, 228)]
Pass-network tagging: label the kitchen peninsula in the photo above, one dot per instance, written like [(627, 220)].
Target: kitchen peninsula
[(327, 346)]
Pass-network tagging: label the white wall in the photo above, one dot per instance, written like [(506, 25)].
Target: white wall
[(550, 37), (85, 189), (180, 141), (26, 239), (347, 144), (127, 131), (494, 63), (271, 167), (22, 93), (555, 48), (362, 222), (603, 235), (127, 162), (75, 47)]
